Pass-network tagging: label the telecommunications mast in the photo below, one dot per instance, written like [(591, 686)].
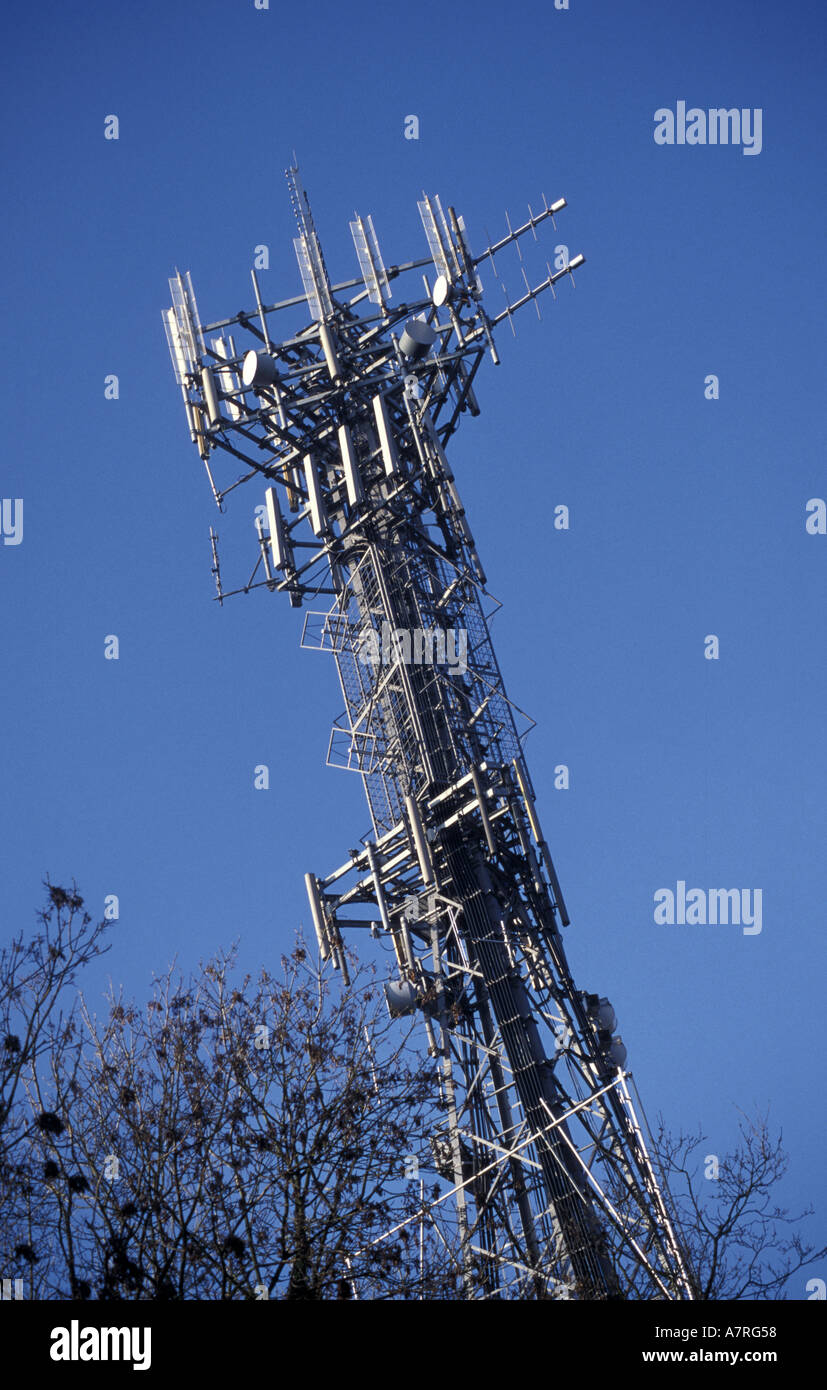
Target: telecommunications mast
[(341, 428)]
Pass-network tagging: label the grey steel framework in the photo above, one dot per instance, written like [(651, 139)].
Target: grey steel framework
[(344, 426)]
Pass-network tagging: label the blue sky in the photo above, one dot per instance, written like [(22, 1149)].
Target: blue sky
[(687, 514)]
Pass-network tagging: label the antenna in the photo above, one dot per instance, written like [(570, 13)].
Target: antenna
[(181, 363), (227, 377), (533, 221), (308, 251), (370, 260), (190, 333), (532, 294), (216, 568), (441, 246)]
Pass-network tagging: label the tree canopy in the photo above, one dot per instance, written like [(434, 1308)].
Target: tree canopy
[(269, 1137)]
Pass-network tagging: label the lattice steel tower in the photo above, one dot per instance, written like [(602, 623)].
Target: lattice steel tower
[(343, 426)]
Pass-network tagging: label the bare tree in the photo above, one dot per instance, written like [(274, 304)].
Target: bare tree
[(267, 1138), (740, 1243), (38, 1025), (229, 1140), (36, 977)]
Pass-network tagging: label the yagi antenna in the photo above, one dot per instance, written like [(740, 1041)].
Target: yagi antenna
[(507, 310), (528, 287), (370, 260), (532, 294), (493, 262), (550, 211), (511, 235), (514, 235)]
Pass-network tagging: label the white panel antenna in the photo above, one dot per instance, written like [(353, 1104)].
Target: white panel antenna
[(386, 440), (313, 276), (440, 243), (180, 361), (227, 378), (353, 481), (279, 545), (370, 260), (186, 314), (181, 367), (318, 511)]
